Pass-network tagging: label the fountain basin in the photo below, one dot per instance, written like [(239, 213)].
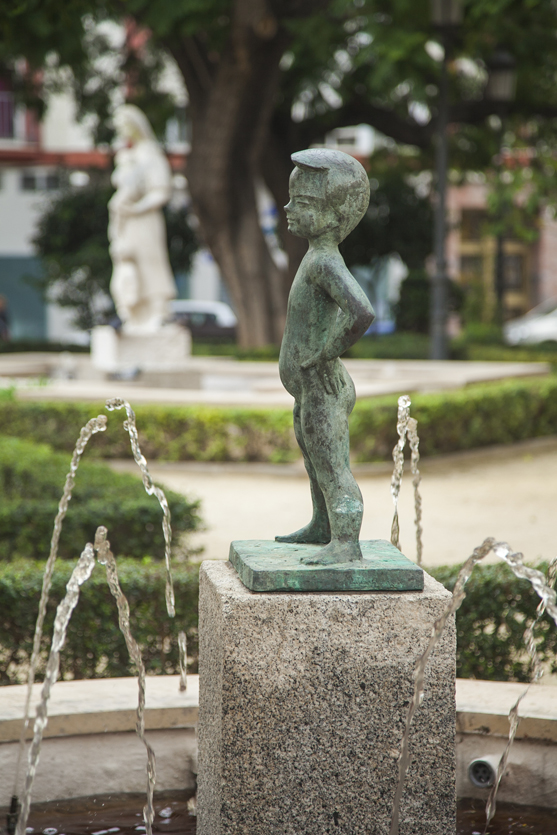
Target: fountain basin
[(90, 746), (482, 730)]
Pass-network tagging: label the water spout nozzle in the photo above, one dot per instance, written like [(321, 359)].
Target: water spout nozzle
[(13, 815), (482, 771)]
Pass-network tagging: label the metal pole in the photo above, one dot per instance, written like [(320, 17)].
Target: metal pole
[(438, 349)]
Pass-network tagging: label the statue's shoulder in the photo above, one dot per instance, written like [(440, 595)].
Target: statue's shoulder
[(155, 163), (328, 262)]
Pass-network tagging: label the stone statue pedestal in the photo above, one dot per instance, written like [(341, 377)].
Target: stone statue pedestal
[(166, 352), (302, 704)]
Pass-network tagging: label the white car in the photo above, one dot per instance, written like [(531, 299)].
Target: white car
[(205, 318), (538, 325)]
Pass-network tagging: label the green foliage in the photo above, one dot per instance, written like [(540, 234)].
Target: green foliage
[(95, 647), (506, 353), (398, 220), (478, 333), (476, 310), (7, 393), (171, 433), (448, 421), (228, 348), (32, 479), (412, 311), (522, 182), (491, 623), (72, 242), (400, 345), (23, 346), (476, 416)]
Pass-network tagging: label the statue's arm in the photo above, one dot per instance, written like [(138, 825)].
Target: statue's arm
[(155, 198), (356, 313)]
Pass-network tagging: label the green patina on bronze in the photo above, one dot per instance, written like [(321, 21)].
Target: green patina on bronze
[(327, 313), (264, 565)]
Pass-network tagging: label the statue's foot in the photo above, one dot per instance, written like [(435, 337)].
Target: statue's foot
[(311, 534), (334, 553)]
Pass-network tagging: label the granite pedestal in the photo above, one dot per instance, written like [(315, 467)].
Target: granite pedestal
[(303, 700)]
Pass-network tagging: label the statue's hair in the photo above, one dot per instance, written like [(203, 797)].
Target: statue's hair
[(346, 183), (133, 114)]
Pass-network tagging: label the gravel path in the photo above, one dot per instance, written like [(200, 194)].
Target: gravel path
[(506, 492)]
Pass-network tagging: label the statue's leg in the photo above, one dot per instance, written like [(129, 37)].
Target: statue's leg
[(318, 530), (325, 431)]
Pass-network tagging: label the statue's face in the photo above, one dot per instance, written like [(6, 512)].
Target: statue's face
[(308, 214), (125, 127)]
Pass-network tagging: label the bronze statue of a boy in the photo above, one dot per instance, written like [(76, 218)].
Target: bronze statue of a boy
[(327, 313)]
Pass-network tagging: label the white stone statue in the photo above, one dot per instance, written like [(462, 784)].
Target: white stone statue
[(142, 282)]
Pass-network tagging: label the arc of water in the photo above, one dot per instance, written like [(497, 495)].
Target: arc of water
[(515, 560), (183, 649), (152, 490), (93, 426), (407, 427), (398, 457), (414, 441), (419, 671), (514, 719), (79, 575), (65, 609), (106, 558)]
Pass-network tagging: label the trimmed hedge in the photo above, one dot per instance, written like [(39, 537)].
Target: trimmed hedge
[(95, 647), (32, 479), (491, 623), (449, 421), (172, 433)]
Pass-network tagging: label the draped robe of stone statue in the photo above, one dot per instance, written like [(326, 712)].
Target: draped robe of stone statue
[(142, 282)]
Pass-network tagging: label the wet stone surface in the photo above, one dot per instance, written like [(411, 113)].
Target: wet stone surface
[(97, 816), (106, 816), (509, 819)]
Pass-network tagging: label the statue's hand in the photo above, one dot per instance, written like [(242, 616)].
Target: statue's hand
[(127, 209), (324, 372)]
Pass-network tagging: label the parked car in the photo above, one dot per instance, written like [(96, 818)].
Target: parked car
[(538, 325), (213, 320)]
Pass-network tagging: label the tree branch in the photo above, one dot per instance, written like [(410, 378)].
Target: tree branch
[(360, 111)]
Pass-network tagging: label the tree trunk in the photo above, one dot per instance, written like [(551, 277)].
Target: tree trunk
[(231, 103)]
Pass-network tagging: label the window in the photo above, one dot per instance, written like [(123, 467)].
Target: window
[(514, 272), (471, 267), (472, 223), (28, 181), (40, 181), (52, 181)]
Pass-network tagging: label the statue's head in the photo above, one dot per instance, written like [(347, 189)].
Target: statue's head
[(329, 193), (132, 124)]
